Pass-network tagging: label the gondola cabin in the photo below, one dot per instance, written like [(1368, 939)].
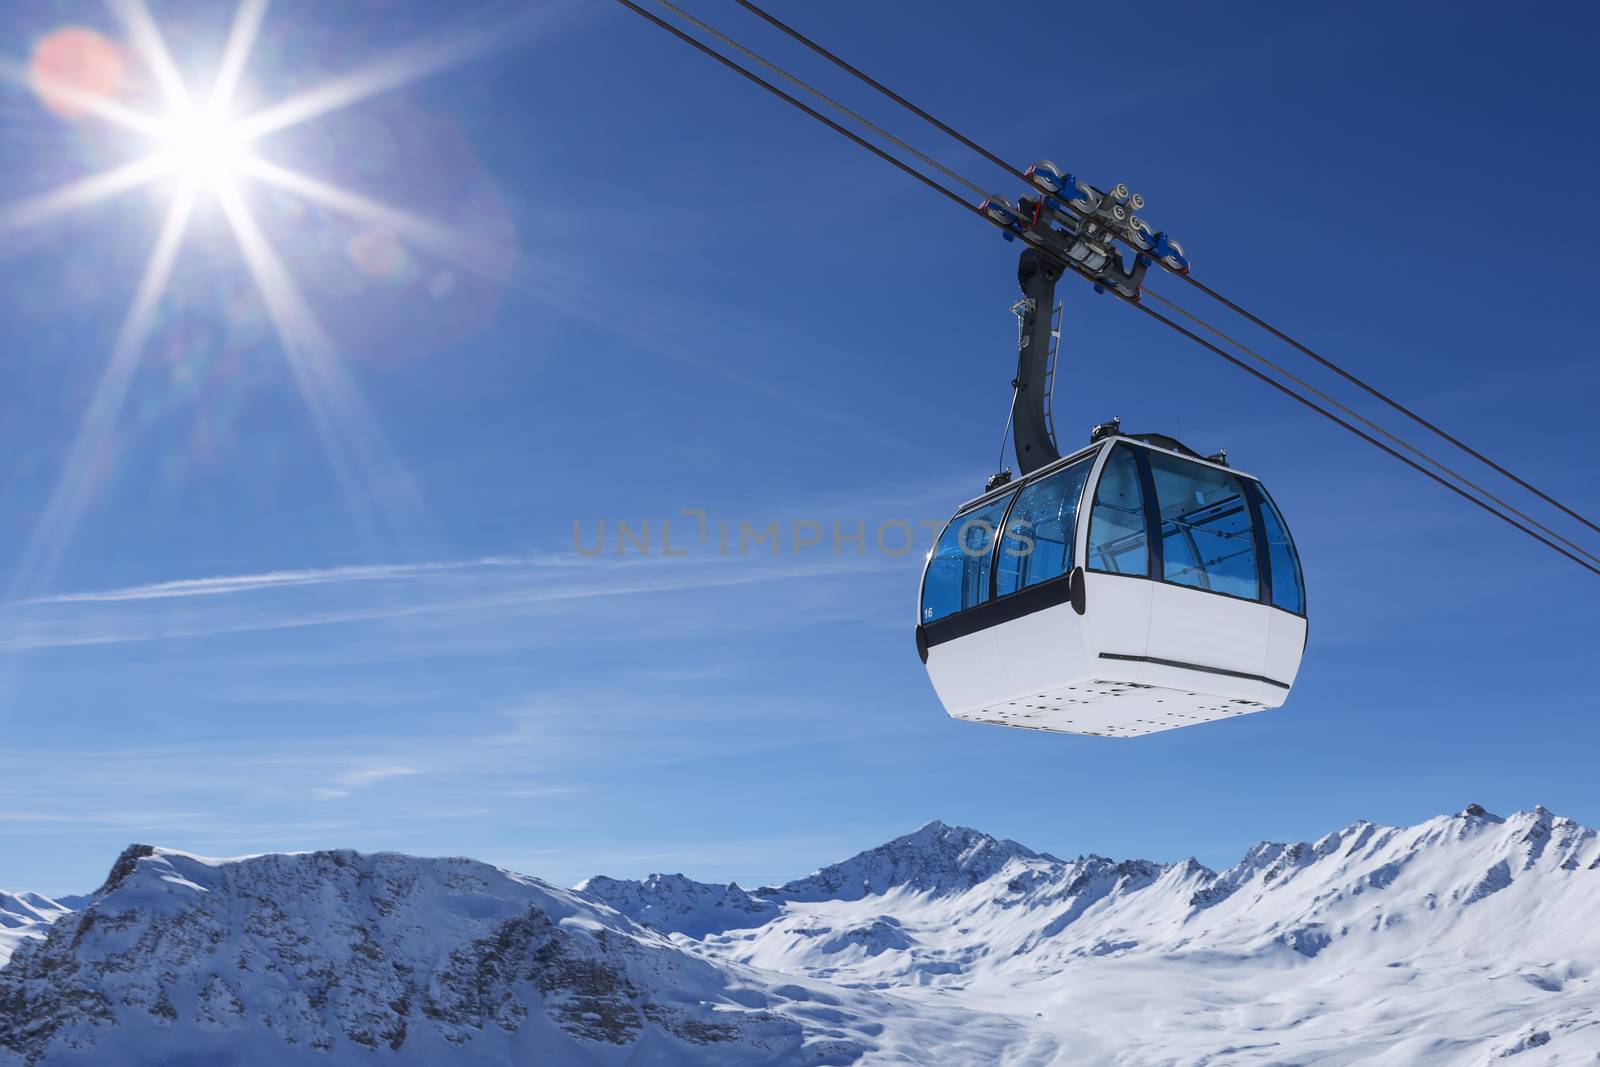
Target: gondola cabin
[(1128, 588)]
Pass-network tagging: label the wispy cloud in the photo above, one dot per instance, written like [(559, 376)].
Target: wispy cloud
[(361, 778), (251, 583), (366, 776), (295, 599), (442, 707), (537, 793)]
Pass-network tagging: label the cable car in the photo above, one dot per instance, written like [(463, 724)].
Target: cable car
[(1130, 587)]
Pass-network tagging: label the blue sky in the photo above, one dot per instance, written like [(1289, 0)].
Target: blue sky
[(260, 635)]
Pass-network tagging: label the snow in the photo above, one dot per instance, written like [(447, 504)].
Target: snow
[(935, 859), (27, 916), (672, 903), (1456, 941), (336, 958), (1466, 939)]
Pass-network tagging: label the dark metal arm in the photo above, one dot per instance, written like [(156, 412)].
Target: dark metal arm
[(1031, 430)]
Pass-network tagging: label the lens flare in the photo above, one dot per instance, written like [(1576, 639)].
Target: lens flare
[(208, 152), (205, 150), (73, 68)]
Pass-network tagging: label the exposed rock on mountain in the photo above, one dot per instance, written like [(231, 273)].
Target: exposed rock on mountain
[(672, 903), (340, 955), (1465, 939)]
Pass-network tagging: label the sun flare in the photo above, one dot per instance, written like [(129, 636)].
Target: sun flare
[(207, 150)]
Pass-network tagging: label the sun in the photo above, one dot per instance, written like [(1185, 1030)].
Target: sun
[(207, 150)]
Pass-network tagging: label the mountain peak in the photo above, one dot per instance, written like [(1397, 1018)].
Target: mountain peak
[(349, 957), (353, 957), (674, 903), (935, 858), (126, 863)]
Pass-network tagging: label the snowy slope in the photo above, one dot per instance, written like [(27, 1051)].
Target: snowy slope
[(1467, 939), (937, 859), (672, 903), (28, 916), (339, 958), (1456, 941)]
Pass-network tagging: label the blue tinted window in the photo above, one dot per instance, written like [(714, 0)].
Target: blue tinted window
[(958, 572), (1116, 525), (1039, 534), (1206, 539), (1288, 587)]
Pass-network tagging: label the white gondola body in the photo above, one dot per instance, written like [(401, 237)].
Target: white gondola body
[(1144, 655)]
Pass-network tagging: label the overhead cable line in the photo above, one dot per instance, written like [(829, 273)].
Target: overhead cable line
[(1325, 413), (1363, 420), (1075, 268), (1395, 404), (801, 104), (884, 89), (1366, 387), (825, 98)]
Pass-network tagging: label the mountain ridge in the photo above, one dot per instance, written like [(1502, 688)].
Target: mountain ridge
[(1486, 927), (28, 916), (338, 955)]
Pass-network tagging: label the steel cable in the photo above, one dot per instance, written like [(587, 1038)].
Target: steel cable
[(1395, 404), (1368, 423), (824, 97), (1075, 268), (884, 89), (1206, 289)]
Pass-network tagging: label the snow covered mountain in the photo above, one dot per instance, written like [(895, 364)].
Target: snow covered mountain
[(1457, 941), (29, 915), (1467, 939), (672, 903), (341, 958)]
